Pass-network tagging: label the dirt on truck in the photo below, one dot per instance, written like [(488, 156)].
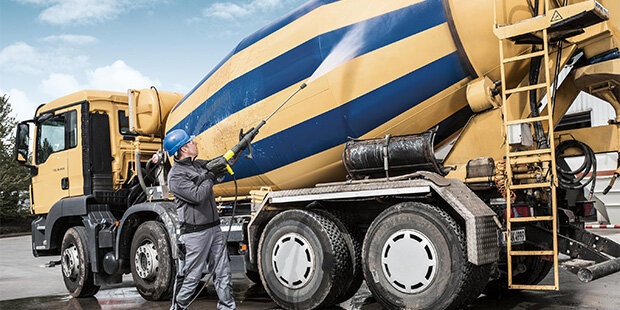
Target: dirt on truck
[(343, 182)]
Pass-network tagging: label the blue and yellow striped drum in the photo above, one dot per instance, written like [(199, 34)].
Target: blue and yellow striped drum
[(408, 74)]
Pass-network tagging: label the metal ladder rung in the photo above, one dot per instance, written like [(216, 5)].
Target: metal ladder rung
[(531, 219), (529, 120), (534, 287), (530, 185), (528, 153), (525, 88), (531, 253), (524, 56)]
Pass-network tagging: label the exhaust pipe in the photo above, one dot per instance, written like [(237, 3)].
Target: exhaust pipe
[(599, 270)]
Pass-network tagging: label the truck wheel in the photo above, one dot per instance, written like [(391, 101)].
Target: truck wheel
[(152, 266), (75, 262), (254, 276), (303, 260), (415, 256), (353, 239)]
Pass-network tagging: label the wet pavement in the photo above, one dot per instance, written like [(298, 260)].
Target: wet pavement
[(25, 284)]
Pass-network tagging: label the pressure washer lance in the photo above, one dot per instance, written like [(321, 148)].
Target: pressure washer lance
[(247, 138), (244, 142)]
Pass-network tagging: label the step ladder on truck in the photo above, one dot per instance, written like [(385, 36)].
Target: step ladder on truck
[(529, 147)]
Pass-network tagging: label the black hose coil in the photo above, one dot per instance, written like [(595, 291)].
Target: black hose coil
[(568, 179)]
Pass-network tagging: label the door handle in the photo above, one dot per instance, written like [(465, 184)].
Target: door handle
[(64, 183)]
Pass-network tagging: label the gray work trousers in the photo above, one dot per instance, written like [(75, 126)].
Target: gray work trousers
[(204, 247)]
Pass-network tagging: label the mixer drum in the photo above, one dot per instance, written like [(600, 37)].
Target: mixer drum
[(405, 154)]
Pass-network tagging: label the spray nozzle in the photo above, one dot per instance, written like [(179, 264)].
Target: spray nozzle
[(303, 85)]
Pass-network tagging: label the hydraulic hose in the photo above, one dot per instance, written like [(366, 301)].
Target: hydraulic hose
[(557, 73), (568, 179), (539, 132)]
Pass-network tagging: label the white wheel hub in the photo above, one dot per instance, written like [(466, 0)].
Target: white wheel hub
[(146, 260), (409, 261), (70, 262), (293, 260)]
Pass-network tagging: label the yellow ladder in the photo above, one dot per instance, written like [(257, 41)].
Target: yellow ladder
[(540, 156)]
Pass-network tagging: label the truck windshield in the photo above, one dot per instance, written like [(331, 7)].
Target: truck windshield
[(53, 135)]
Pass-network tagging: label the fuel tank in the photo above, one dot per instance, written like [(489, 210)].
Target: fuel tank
[(410, 65)]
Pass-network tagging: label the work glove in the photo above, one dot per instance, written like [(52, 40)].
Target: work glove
[(217, 167)]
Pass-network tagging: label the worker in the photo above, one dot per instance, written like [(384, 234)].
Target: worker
[(201, 238)]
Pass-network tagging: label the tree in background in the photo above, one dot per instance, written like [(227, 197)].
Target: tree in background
[(14, 178)]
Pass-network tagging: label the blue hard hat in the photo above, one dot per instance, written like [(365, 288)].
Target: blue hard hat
[(175, 139)]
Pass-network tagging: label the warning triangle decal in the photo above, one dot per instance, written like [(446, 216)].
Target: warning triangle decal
[(556, 17)]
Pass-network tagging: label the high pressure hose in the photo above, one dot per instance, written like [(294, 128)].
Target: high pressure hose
[(568, 179), (224, 246)]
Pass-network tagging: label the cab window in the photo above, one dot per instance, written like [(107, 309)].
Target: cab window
[(56, 134), (123, 123)]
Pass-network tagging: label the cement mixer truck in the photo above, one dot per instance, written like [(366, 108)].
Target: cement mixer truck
[(343, 184)]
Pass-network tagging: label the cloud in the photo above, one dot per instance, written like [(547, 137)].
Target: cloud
[(21, 57), (227, 10), (59, 84), (72, 39), (84, 12), (119, 77), (116, 77), (22, 106), (234, 10)]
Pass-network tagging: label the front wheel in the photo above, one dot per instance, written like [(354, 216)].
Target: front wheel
[(152, 267), (303, 260), (75, 262), (415, 257)]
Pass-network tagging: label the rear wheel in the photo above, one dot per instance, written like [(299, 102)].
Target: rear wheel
[(415, 256), (152, 267), (303, 260), (75, 262), (353, 239)]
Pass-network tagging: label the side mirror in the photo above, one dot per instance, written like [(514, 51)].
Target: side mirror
[(22, 143)]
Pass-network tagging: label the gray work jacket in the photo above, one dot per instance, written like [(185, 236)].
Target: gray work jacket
[(193, 192)]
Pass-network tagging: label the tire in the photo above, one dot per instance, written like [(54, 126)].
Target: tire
[(303, 260), (76, 272), (254, 276), (150, 247), (354, 240), (415, 257)]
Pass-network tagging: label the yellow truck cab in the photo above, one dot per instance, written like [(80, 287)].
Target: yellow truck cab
[(83, 165), (73, 155)]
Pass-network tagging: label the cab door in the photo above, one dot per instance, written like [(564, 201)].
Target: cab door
[(56, 136)]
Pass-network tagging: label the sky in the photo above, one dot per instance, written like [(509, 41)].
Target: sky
[(51, 48)]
